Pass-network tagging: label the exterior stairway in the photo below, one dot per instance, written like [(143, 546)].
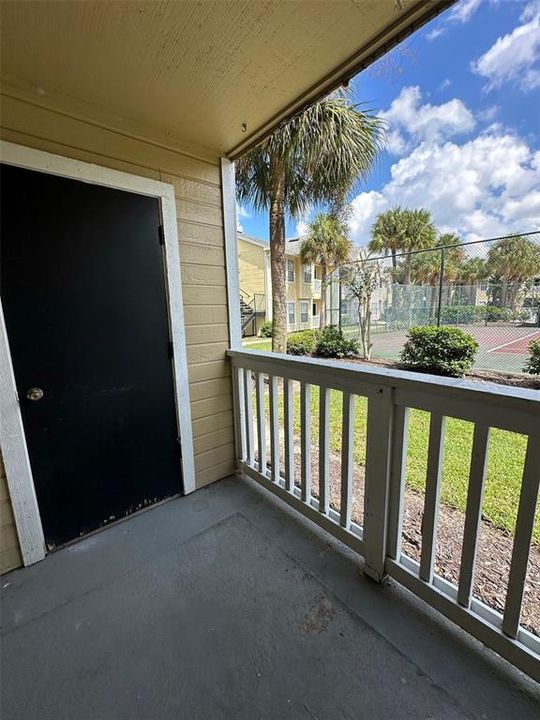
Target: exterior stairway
[(247, 313)]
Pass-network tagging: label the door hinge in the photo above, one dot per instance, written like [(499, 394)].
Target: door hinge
[(161, 233), (170, 349)]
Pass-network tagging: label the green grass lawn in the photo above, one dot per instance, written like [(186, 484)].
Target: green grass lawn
[(264, 344), (505, 461)]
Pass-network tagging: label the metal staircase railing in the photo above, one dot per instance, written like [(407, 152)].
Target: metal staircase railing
[(247, 310)]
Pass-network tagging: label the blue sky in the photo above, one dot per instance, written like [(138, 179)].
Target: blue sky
[(462, 101)]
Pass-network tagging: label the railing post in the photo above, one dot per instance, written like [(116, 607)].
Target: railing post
[(377, 482)]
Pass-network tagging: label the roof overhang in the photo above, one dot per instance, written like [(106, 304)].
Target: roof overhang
[(219, 74)]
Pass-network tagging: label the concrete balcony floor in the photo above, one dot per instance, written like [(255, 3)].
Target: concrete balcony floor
[(225, 604)]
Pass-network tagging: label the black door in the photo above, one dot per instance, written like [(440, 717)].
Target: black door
[(83, 292)]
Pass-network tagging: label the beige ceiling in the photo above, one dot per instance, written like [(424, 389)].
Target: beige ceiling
[(196, 72)]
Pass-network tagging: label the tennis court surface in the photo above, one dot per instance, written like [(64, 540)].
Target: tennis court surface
[(503, 348)]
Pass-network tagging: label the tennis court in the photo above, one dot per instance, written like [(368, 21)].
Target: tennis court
[(502, 348)]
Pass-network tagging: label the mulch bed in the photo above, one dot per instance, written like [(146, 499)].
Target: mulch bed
[(494, 547), (530, 382)]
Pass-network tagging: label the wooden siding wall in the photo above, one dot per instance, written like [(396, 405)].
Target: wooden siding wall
[(10, 555), (251, 267), (197, 184)]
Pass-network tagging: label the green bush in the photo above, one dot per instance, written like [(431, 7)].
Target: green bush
[(333, 344), (303, 342), (439, 350), (496, 314), (266, 329), (462, 314), (532, 365)]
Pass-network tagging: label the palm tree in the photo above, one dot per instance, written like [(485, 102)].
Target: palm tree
[(514, 260), (470, 273), (418, 232), (314, 159), (327, 245), (386, 234), (403, 230), (426, 267)]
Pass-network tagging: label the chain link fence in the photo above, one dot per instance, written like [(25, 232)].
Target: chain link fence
[(489, 288)]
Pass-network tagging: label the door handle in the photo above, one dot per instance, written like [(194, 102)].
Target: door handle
[(34, 394)]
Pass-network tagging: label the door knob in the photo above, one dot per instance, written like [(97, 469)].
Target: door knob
[(34, 393)]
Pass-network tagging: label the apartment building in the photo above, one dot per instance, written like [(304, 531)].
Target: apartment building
[(303, 285)]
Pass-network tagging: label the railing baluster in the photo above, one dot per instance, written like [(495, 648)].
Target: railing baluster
[(324, 450), (473, 514), (261, 422), (239, 412), (288, 410), (380, 420), (433, 491), (347, 444), (274, 427), (522, 539), (248, 403), (400, 435), (305, 440)]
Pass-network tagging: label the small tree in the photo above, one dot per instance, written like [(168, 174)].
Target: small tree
[(361, 280)]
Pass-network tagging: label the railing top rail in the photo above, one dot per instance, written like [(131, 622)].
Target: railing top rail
[(489, 398)]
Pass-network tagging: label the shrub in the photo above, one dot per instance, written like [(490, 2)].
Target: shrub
[(333, 344), (532, 365), (462, 314), (439, 350), (496, 314), (266, 329), (303, 342)]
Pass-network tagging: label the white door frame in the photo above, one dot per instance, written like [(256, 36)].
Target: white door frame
[(12, 439)]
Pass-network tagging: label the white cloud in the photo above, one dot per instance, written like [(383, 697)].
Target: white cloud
[(514, 57), (445, 84), (301, 228), (488, 114), (459, 13), (435, 33), (486, 187), (412, 122), (463, 10), (242, 212)]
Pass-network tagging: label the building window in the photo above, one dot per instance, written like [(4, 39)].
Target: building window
[(304, 312), (314, 309), (308, 275), (290, 270), (291, 311), (344, 307)]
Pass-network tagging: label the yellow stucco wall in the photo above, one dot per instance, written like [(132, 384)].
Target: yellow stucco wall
[(197, 184)]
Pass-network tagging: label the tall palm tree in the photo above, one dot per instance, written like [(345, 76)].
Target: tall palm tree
[(403, 230), (418, 232), (386, 234), (326, 244), (315, 158)]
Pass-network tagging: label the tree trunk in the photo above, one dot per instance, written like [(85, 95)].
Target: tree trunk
[(322, 313), (394, 259), (407, 270), (277, 258), (504, 292)]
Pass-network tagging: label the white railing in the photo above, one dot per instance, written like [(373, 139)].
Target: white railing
[(316, 286), (266, 452)]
